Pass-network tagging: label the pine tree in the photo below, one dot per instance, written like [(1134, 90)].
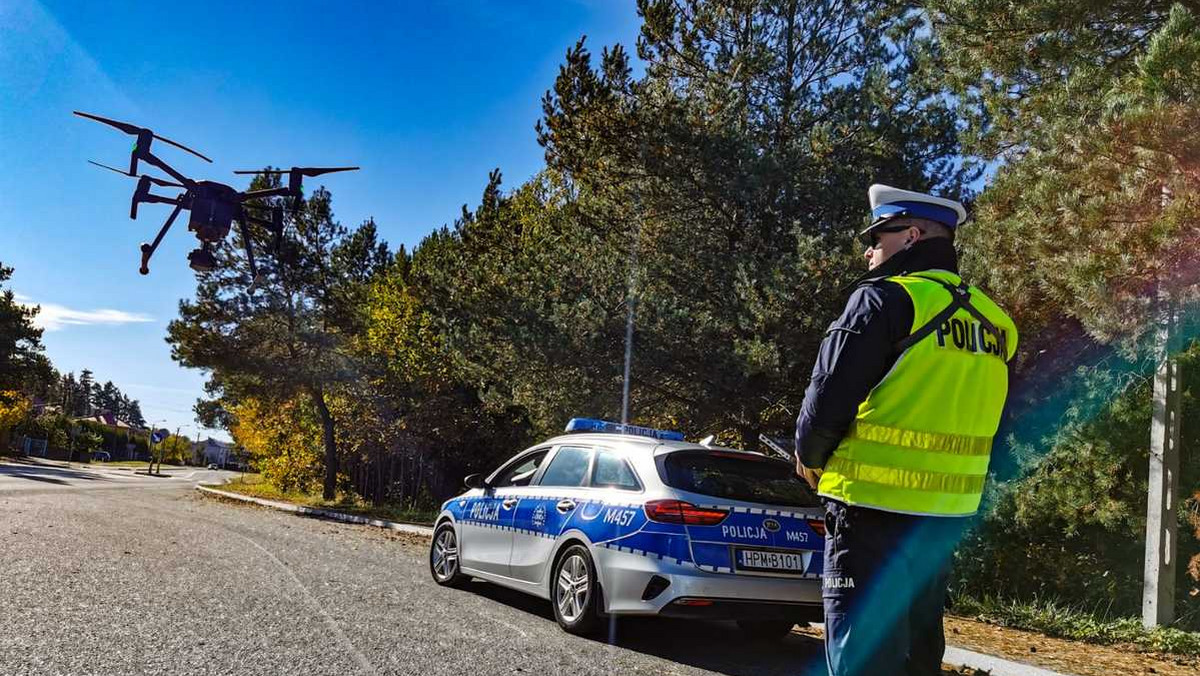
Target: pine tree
[(23, 366), (134, 414), (289, 337), (85, 394), (737, 168)]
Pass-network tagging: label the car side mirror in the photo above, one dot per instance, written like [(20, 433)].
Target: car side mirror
[(474, 481)]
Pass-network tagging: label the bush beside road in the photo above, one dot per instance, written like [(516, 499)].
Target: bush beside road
[(1060, 620), (348, 503)]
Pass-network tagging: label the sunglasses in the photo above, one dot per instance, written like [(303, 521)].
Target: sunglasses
[(871, 237)]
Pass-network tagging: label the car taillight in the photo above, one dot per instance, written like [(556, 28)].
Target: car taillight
[(817, 525), (678, 511)]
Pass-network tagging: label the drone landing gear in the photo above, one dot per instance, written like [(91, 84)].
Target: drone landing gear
[(254, 279), (148, 249)]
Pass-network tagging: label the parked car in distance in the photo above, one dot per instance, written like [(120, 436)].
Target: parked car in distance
[(101, 456), (212, 465)]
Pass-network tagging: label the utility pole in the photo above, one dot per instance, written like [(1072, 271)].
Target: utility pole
[(632, 302), (631, 293), (1162, 518)]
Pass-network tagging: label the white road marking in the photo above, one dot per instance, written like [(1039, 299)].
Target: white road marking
[(334, 628)]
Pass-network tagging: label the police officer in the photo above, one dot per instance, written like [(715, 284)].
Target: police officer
[(896, 432)]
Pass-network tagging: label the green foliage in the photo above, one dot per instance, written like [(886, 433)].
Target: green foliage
[(1089, 221), (292, 334), (1073, 527), (88, 441), (55, 429), (258, 486), (1072, 621), (23, 366), (1096, 207), (14, 409), (174, 450), (284, 441), (734, 171)]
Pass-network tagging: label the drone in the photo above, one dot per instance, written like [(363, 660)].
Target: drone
[(213, 206)]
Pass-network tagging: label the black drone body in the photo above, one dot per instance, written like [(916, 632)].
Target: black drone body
[(213, 206)]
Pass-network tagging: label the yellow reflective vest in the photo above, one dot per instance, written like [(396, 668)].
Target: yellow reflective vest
[(921, 441)]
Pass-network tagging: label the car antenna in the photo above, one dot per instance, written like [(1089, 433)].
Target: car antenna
[(776, 445)]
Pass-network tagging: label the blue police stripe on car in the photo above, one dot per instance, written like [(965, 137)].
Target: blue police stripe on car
[(623, 527)]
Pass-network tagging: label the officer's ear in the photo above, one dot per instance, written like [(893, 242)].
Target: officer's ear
[(914, 234)]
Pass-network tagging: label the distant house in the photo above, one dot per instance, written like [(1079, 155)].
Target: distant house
[(220, 453), (107, 419), (121, 447)]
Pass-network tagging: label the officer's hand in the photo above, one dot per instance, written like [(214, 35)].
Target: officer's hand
[(810, 476)]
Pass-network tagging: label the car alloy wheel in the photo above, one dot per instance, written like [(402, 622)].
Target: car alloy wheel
[(576, 593), (443, 557)]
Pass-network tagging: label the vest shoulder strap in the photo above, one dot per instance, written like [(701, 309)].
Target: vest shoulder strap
[(960, 298)]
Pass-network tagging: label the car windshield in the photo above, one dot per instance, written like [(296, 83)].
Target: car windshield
[(736, 476)]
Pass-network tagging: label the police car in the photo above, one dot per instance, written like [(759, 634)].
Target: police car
[(613, 520)]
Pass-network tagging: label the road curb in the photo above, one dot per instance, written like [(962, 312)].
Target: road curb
[(997, 666), (321, 513)]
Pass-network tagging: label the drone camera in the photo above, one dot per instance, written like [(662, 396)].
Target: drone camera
[(202, 260)]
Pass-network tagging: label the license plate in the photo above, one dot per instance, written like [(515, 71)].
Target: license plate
[(775, 562)]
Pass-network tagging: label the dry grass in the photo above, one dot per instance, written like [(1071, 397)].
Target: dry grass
[(254, 485)]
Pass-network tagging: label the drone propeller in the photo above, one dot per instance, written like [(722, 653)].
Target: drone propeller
[(303, 171), (295, 178), (154, 180), (140, 132)]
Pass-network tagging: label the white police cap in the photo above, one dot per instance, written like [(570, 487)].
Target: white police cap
[(888, 203)]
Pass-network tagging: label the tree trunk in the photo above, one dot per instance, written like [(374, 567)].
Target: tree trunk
[(331, 457)]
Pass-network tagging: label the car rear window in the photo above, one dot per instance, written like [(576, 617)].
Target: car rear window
[(735, 476)]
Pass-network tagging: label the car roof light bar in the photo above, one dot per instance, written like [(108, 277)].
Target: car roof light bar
[(593, 425)]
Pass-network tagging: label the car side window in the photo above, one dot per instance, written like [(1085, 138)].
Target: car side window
[(521, 471), (569, 467), (612, 471)]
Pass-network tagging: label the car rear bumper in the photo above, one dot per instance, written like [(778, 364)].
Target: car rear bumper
[(627, 577), (736, 609)]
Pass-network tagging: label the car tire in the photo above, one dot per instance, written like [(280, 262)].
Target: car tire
[(443, 557), (765, 630), (575, 592)]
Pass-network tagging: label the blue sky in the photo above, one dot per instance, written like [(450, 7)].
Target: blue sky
[(426, 97)]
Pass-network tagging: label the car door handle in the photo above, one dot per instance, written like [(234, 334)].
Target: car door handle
[(510, 502), (565, 506)]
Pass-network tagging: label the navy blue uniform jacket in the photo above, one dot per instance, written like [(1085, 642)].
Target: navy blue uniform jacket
[(860, 347)]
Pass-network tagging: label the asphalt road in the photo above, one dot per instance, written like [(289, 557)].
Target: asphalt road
[(106, 572)]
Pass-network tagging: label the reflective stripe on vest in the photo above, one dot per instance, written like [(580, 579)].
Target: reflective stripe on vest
[(921, 441)]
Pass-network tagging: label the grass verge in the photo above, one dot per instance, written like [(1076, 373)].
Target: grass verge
[(254, 485), (1062, 620), (139, 464)]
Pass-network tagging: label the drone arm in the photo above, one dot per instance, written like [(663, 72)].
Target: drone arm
[(153, 160), (144, 196), (270, 192), (148, 249), (157, 199)]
